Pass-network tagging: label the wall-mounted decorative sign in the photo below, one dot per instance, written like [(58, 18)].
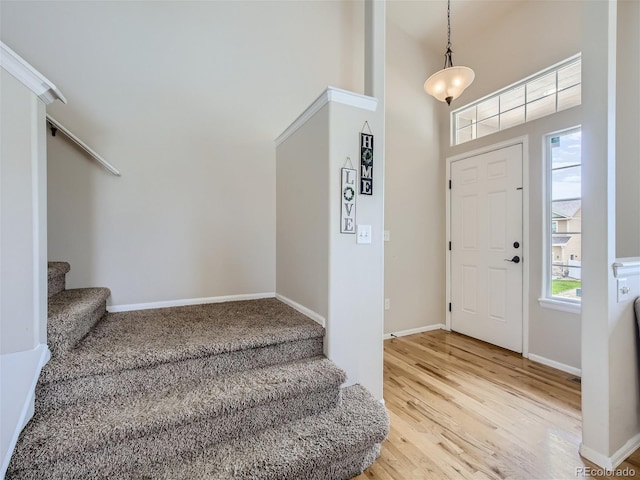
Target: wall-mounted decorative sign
[(348, 200), (366, 161)]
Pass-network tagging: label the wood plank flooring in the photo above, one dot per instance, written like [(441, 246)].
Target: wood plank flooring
[(463, 409)]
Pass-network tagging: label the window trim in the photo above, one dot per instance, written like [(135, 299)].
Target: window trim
[(568, 306), (547, 300)]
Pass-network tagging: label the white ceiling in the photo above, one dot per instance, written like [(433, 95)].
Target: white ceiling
[(426, 20)]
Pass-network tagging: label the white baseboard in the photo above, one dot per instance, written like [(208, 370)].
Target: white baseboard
[(19, 373), (627, 449), (316, 317), (188, 301), (612, 462), (599, 459), (553, 364), (412, 331)]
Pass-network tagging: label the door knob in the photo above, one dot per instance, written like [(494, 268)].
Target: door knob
[(515, 259)]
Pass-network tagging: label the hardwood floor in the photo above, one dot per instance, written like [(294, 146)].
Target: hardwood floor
[(461, 408)]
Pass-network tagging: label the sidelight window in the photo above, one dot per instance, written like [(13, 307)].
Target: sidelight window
[(563, 224)]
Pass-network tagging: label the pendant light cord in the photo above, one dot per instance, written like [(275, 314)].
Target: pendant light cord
[(448, 60)]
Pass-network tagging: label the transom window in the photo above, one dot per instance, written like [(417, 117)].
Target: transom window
[(549, 91)]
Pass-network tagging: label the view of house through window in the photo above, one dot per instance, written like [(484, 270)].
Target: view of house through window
[(565, 214)]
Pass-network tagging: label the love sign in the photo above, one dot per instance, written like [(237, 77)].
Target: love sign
[(348, 200)]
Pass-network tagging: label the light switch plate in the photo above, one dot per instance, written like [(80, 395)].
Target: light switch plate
[(363, 234), (387, 236)]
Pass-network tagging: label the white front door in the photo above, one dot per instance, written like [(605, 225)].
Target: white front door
[(486, 247)]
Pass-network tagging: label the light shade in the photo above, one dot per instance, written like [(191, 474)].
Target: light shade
[(449, 83)]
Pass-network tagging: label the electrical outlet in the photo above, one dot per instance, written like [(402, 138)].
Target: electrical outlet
[(387, 304), (624, 289)]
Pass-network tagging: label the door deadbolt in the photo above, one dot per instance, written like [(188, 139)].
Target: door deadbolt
[(516, 244)]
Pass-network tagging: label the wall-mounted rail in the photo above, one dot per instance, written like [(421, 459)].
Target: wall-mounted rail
[(58, 127)]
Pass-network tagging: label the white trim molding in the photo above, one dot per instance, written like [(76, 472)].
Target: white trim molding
[(619, 456), (553, 364), (413, 331), (316, 317), (624, 267), (331, 94), (18, 379), (29, 76), (560, 305), (188, 301)]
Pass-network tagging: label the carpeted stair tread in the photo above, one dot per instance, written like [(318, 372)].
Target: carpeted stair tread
[(165, 376), (139, 339), (292, 451), (79, 429), (71, 314), (177, 443), (56, 277)]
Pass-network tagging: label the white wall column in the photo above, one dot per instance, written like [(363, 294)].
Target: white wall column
[(24, 93), (598, 184), (374, 48)]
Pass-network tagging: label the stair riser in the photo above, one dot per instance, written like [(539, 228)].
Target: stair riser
[(56, 277), (56, 394), (67, 338), (56, 284), (134, 458)]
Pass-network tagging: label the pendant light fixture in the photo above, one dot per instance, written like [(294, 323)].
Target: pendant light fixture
[(449, 83)]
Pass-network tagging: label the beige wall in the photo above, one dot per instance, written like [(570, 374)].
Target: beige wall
[(624, 352), (302, 193), (414, 190), (185, 99), (627, 138)]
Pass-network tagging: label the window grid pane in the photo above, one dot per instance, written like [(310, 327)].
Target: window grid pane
[(541, 87), (569, 97), (488, 126), (512, 118), (464, 135), (512, 99), (569, 76), (488, 108), (541, 107)]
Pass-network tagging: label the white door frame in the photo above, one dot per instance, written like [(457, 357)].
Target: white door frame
[(524, 141)]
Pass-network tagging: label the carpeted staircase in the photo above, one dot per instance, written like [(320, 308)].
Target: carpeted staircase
[(236, 390)]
